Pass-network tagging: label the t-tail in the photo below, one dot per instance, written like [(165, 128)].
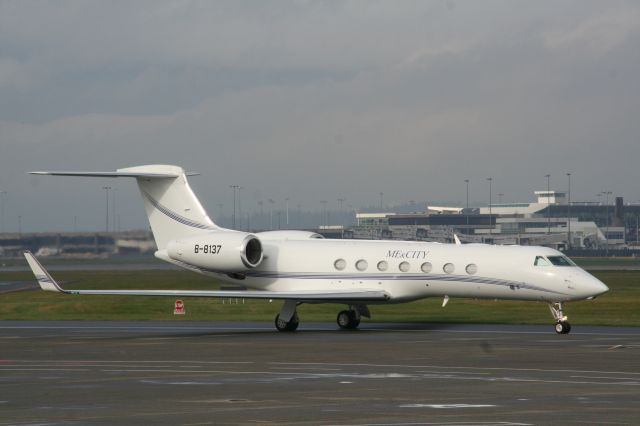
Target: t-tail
[(173, 209)]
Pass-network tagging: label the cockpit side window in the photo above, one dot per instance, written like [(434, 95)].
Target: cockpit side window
[(541, 261), (561, 261)]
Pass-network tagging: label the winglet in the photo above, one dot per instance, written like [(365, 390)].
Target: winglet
[(45, 280)]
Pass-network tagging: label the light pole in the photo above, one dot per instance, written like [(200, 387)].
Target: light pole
[(548, 176), (606, 247), (467, 209), (286, 201), (106, 193), (233, 218), (324, 210), (2, 196), (569, 211), (271, 203), (490, 179), (114, 221), (500, 198), (240, 205)]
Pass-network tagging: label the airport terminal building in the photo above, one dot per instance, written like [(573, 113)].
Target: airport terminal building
[(549, 221), (584, 228)]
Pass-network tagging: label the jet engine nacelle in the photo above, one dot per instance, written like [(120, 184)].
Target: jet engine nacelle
[(218, 251)]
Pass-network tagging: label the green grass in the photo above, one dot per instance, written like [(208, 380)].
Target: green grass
[(619, 307), (586, 262)]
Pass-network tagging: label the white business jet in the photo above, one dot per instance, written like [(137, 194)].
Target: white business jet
[(301, 267)]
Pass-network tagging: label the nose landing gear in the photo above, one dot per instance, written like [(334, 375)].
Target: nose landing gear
[(562, 325)]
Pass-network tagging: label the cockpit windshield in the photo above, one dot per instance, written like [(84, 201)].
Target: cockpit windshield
[(541, 261), (561, 261), (553, 260)]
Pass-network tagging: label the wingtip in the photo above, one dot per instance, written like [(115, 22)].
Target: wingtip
[(45, 280)]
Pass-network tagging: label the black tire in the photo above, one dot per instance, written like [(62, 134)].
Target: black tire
[(563, 327), (344, 320), (348, 320), (292, 325), (355, 319)]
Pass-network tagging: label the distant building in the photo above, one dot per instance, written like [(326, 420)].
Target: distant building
[(548, 221)]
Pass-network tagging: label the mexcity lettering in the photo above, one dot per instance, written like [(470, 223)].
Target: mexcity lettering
[(407, 254)]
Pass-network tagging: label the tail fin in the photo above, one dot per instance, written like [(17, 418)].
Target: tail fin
[(173, 209)]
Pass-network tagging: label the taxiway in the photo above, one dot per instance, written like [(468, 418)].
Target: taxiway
[(180, 372)]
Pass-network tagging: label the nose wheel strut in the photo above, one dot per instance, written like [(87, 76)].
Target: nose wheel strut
[(562, 325)]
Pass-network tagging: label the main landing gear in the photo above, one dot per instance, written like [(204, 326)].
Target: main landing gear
[(290, 325), (349, 319), (562, 325), (287, 319)]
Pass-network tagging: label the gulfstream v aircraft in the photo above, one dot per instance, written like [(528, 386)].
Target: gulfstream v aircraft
[(301, 267)]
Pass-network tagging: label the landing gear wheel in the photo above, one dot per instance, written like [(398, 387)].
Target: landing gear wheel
[(291, 325), (348, 320), (563, 327)]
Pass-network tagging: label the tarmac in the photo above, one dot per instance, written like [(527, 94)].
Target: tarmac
[(199, 373)]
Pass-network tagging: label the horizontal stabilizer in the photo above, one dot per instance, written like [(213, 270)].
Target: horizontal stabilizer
[(110, 174), (49, 284)]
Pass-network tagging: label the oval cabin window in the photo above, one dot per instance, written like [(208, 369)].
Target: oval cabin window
[(404, 266), (471, 268), (426, 267), (340, 264), (449, 268), (361, 265), (383, 265)]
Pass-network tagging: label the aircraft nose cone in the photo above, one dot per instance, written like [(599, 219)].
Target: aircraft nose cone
[(597, 287)]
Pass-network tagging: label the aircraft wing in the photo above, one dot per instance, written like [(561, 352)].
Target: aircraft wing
[(47, 283)]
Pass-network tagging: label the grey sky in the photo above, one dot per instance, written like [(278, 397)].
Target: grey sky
[(316, 100)]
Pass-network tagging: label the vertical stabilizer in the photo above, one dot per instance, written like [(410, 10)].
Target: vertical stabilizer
[(173, 209)]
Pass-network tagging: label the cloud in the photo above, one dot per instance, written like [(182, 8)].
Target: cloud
[(317, 100), (597, 34)]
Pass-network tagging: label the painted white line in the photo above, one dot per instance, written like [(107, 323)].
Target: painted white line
[(43, 369), (449, 372), (307, 368), (136, 328), (83, 362), (437, 424), (605, 377), (456, 367), (573, 333), (446, 406)]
